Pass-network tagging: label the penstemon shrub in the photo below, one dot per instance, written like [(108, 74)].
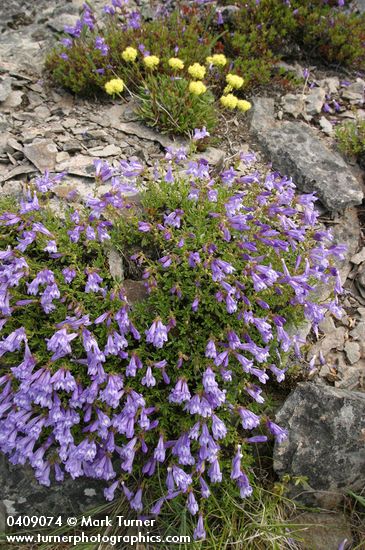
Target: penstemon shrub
[(168, 392)]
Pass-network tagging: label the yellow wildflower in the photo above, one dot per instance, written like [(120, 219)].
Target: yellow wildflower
[(235, 81), (114, 86), (218, 59), (197, 71), (197, 87), (243, 105), (129, 54), (151, 61), (230, 101), (176, 63)]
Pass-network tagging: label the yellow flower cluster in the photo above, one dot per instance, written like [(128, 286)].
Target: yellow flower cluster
[(114, 86), (218, 59), (243, 105), (230, 101), (197, 87), (129, 54), (151, 61), (197, 71), (234, 81), (176, 63)]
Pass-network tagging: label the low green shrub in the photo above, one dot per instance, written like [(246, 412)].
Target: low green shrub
[(351, 139), (168, 105), (265, 31)]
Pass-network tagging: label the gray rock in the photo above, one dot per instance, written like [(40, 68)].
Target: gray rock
[(5, 89), (321, 531), (315, 100), (325, 444), (293, 104), (294, 149), (79, 165), (330, 84), (360, 5), (104, 152), (355, 92), (229, 13), (326, 125), (351, 377), (262, 115), (135, 291), (2, 518), (147, 133), (59, 22), (358, 258), (21, 493), (72, 146), (358, 333), (12, 188), (352, 350), (42, 153), (214, 156), (360, 279), (115, 262), (13, 100)]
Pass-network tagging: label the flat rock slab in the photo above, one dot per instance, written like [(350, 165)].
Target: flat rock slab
[(21, 494), (295, 150), (42, 153), (321, 531), (326, 442)]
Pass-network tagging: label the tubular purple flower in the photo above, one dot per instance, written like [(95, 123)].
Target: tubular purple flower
[(192, 504), (280, 433), (180, 393), (249, 419), (236, 472), (199, 532), (136, 501), (157, 334)]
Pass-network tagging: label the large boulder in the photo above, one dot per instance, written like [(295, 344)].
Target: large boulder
[(326, 442), (21, 494), (294, 149)]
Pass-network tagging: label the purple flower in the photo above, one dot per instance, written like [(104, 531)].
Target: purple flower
[(67, 42), (192, 504), (236, 464), (157, 334), (180, 393), (257, 439), (280, 433), (160, 451), (200, 134), (148, 380), (101, 45), (136, 502), (93, 280), (199, 532), (214, 472), (109, 492), (103, 170), (169, 177), (210, 350), (144, 227), (181, 478), (244, 486), (249, 419)]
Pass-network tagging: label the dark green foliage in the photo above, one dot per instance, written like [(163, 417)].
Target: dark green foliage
[(78, 72), (168, 105), (265, 32)]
